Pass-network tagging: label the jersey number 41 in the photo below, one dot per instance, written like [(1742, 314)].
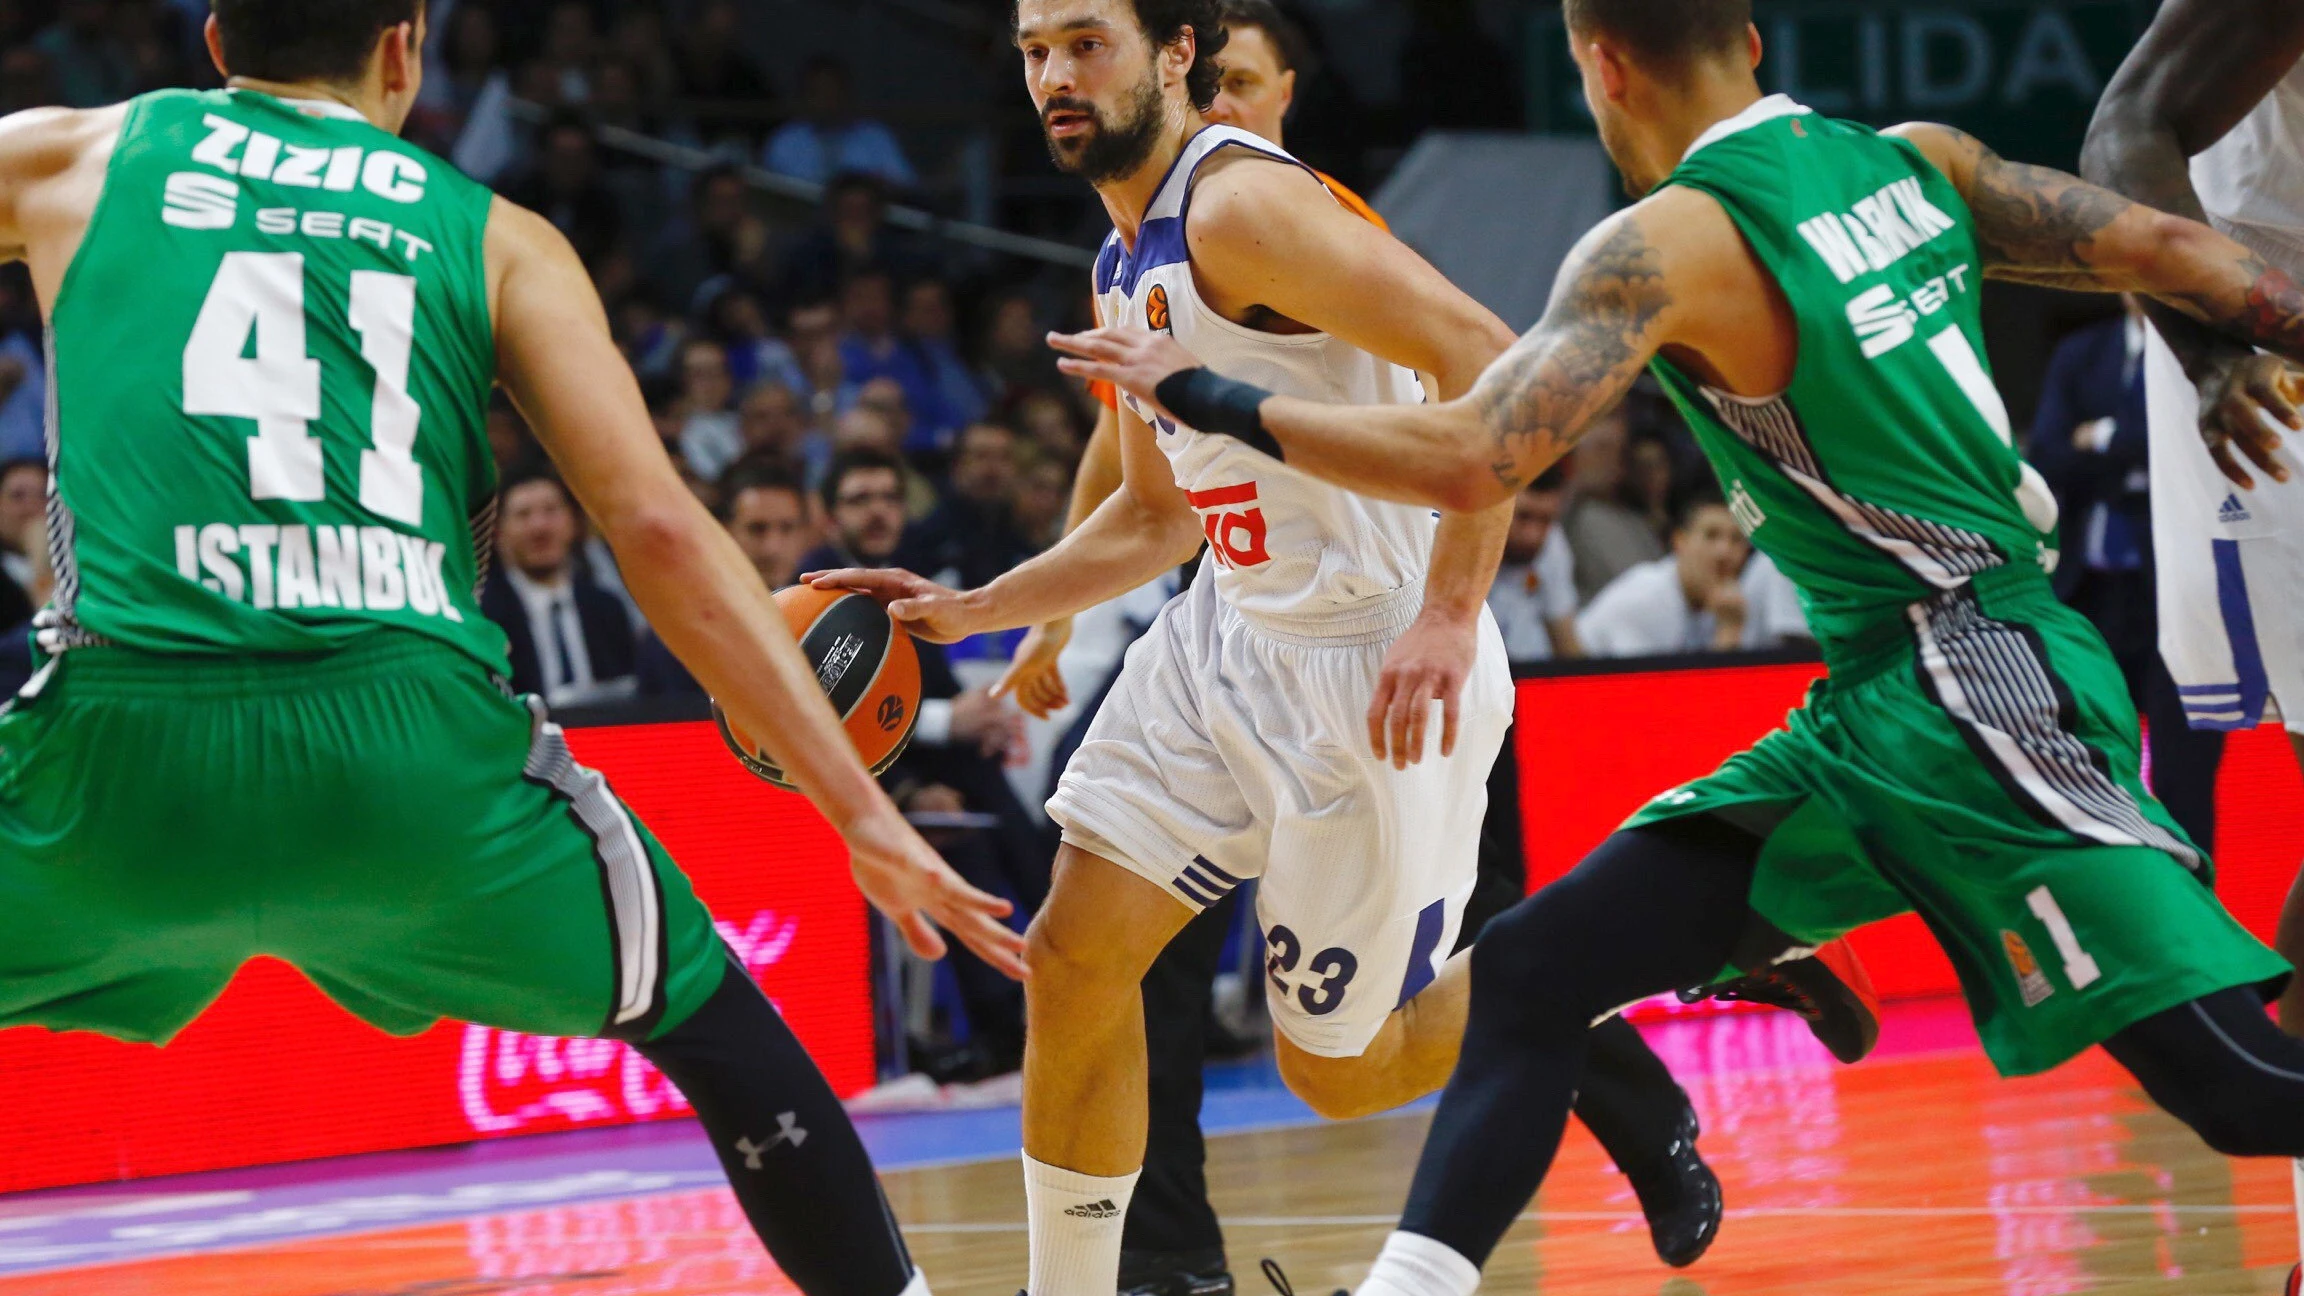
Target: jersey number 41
[(279, 388)]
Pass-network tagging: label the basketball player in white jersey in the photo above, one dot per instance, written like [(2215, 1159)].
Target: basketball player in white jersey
[(2206, 120), (1238, 741)]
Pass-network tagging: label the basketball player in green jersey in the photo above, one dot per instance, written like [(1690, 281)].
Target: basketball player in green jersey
[(271, 717), (1807, 292)]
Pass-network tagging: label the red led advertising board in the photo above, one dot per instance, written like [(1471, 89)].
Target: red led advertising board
[(1594, 748), (275, 1072)]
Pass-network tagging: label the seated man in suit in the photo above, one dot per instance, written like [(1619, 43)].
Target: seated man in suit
[(571, 641)]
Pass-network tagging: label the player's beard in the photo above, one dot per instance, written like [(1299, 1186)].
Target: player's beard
[(1115, 148)]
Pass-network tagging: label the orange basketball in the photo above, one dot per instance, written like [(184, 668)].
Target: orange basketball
[(867, 666)]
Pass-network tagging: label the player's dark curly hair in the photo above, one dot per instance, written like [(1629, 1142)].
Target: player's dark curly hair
[(1664, 33), (1164, 21), (306, 40)]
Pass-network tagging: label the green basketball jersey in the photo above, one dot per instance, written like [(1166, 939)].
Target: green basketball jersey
[(1886, 472), (271, 361)]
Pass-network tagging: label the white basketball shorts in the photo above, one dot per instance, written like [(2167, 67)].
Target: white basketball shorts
[(2230, 566), (1227, 751)]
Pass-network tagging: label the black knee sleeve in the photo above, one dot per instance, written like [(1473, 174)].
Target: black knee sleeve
[(797, 1166), (2218, 1064)]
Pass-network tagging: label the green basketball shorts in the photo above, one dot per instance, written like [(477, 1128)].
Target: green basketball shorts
[(384, 818), (1980, 764)]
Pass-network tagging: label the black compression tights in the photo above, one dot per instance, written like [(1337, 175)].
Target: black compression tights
[(798, 1169), (1663, 906)]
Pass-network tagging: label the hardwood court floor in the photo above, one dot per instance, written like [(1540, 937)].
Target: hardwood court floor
[(1906, 1176)]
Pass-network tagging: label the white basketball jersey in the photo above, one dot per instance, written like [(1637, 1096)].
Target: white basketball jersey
[(2251, 184), (1293, 552)]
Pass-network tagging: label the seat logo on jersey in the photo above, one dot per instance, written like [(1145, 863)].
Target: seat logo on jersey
[(1884, 321), (1156, 309), (1876, 232), (1235, 535)]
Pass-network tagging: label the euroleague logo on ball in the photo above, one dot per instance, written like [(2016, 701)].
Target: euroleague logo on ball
[(891, 713), (1156, 309)]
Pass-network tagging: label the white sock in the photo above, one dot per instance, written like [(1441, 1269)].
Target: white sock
[(1414, 1265), (1075, 1224), (918, 1286)]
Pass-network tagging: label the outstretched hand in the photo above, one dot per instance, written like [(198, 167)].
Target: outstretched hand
[(908, 881), (928, 610), (1132, 359)]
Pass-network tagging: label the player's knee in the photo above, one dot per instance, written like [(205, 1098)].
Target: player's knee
[(1522, 962), (1071, 952)]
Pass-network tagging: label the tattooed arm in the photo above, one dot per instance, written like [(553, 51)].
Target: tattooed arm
[(2197, 71), (2040, 226), (1611, 309)]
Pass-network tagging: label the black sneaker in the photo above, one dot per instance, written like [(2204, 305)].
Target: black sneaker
[(1174, 1273), (1829, 988), (1279, 1280), (1681, 1198)]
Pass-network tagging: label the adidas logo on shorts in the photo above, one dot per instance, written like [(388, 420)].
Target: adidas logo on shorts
[(1102, 1209), (2232, 510)]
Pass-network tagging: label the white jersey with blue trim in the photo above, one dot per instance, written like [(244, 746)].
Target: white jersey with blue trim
[(2251, 186), (1291, 552)]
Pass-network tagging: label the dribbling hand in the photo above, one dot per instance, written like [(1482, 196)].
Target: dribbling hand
[(908, 881), (928, 610)]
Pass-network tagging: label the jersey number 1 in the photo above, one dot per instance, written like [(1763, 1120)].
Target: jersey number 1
[(263, 293)]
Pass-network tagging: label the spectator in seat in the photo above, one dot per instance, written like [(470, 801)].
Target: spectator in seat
[(876, 422), (1015, 357), (16, 638), (755, 354), (829, 138), (927, 325), (1534, 595), (718, 235), (775, 426), (1608, 536), (1690, 601), (1050, 422), (871, 348), (1043, 494), (960, 744), (765, 512), (89, 62), (23, 537), (709, 436), (566, 189), (713, 65), (971, 538), (853, 237), (571, 641)]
